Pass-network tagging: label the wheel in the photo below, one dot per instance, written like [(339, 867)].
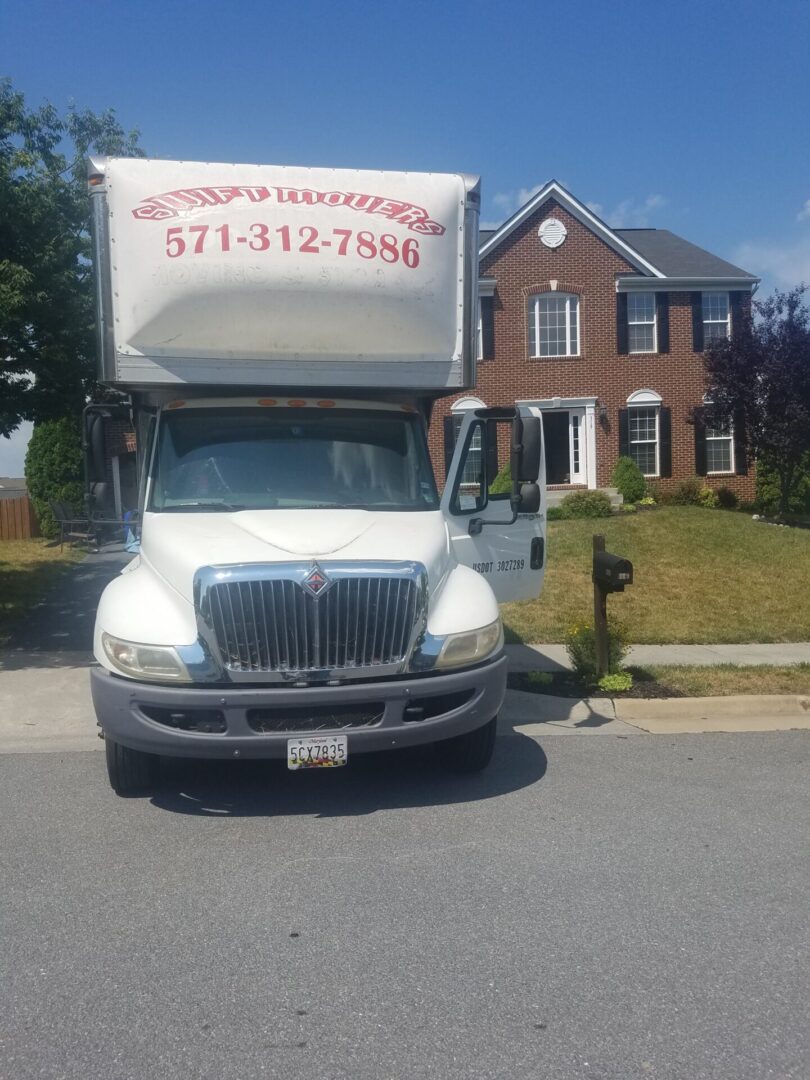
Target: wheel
[(470, 752), (131, 772)]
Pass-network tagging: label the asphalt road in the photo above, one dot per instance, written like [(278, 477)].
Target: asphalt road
[(591, 907)]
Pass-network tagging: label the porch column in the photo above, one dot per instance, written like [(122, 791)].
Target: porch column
[(590, 436)]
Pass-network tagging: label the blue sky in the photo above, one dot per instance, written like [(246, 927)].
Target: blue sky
[(691, 116)]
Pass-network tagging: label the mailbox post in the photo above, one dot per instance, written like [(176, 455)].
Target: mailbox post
[(610, 574)]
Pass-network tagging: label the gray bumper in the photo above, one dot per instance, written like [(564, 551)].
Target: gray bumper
[(407, 712)]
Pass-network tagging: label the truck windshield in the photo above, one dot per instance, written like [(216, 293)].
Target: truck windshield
[(267, 459)]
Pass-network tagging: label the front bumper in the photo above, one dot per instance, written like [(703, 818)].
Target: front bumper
[(407, 712)]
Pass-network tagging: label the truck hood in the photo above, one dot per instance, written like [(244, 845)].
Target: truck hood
[(177, 545)]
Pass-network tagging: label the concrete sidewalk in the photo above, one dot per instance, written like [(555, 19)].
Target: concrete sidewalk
[(555, 658)]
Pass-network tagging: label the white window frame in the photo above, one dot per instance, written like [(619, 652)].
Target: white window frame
[(720, 438), (715, 322), (479, 336), (645, 442), (642, 322), (534, 317)]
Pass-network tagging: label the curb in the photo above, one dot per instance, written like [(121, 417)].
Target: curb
[(534, 714)]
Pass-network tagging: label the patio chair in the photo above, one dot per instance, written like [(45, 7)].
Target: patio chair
[(71, 527)]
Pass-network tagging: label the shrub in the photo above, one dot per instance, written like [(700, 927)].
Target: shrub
[(555, 513), (54, 469), (768, 489), (707, 497), (580, 643), (586, 504), (687, 493), (628, 508), (629, 480), (648, 500), (726, 499), (616, 683), (502, 484)]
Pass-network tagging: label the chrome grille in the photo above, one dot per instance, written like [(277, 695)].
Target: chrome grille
[(274, 624)]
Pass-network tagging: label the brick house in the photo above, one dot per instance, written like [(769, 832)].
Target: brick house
[(603, 331)]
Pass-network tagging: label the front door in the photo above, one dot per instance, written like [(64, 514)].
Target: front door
[(565, 446), (577, 442), (558, 447)]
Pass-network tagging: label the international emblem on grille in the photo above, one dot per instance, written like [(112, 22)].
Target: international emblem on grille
[(316, 580)]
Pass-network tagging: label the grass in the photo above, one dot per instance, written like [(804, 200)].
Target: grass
[(678, 681), (701, 576), (27, 569)]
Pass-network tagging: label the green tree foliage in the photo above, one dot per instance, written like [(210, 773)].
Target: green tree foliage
[(768, 493), (53, 468), (628, 479), (760, 380), (47, 335)]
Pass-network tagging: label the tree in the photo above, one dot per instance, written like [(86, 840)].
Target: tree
[(760, 381), (53, 469), (47, 336)]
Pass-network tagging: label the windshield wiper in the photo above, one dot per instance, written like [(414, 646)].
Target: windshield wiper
[(203, 506)]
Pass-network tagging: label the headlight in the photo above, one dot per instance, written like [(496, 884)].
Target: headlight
[(471, 646), (158, 663)]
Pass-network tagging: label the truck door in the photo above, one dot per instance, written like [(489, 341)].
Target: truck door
[(509, 551)]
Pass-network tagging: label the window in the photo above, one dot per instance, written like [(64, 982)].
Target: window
[(479, 337), (641, 328), (643, 441), (719, 444), (554, 324), (716, 317)]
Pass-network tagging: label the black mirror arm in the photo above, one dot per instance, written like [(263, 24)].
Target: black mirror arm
[(477, 524)]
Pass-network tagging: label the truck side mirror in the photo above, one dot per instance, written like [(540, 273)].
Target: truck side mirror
[(611, 572), (529, 499), (93, 442), (527, 449)]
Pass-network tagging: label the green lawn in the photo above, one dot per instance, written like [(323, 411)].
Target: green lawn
[(701, 576), (27, 569)]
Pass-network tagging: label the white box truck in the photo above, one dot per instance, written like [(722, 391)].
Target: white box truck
[(302, 590)]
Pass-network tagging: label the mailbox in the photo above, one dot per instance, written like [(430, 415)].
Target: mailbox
[(611, 572)]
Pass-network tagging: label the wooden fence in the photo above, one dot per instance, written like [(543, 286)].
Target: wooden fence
[(17, 519)]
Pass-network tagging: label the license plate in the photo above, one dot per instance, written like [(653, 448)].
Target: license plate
[(325, 752)]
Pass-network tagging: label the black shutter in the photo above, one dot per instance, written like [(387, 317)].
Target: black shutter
[(487, 328), (700, 442), (740, 448), (492, 430), (622, 347), (665, 437), (450, 432), (624, 433), (697, 321), (662, 318), (735, 303)]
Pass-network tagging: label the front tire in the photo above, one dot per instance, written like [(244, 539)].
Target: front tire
[(470, 752), (131, 772)]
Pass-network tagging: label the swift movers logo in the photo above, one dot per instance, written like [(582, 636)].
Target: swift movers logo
[(172, 204)]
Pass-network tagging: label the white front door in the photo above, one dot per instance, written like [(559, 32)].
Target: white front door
[(577, 445)]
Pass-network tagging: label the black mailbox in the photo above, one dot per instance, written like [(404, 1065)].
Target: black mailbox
[(611, 572)]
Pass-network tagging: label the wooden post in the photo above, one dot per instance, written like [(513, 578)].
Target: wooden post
[(600, 616)]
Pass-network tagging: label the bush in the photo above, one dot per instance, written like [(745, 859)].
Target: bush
[(54, 469), (629, 480), (615, 684), (555, 513), (628, 508), (707, 497), (586, 504), (726, 499), (580, 643), (502, 484), (687, 493), (767, 500), (648, 500)]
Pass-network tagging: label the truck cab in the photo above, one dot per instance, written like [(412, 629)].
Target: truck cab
[(302, 589)]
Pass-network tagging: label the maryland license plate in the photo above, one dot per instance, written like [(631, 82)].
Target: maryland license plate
[(322, 753)]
